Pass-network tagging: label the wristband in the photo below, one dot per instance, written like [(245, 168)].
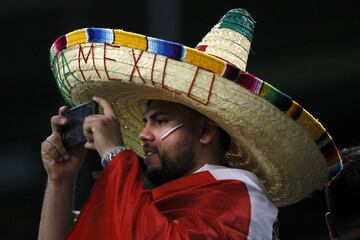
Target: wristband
[(110, 155)]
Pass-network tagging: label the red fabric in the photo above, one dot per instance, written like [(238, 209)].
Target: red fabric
[(192, 207)]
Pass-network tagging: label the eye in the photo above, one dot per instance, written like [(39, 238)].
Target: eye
[(160, 122), (144, 121)]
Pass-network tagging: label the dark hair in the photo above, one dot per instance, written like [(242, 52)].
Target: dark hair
[(225, 140), (343, 194)]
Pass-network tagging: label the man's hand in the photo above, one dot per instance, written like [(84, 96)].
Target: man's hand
[(61, 165), (103, 131)]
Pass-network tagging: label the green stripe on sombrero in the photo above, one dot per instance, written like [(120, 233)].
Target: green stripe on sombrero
[(277, 98), (240, 21)]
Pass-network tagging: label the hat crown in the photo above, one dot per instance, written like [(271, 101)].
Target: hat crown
[(240, 21), (230, 38)]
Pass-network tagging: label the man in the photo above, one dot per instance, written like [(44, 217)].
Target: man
[(221, 146), (189, 149), (343, 198)]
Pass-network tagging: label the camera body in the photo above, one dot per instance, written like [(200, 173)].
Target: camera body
[(72, 133)]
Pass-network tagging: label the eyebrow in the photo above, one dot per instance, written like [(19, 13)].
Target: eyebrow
[(155, 115)]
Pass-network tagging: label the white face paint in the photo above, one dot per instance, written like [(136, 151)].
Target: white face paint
[(170, 131)]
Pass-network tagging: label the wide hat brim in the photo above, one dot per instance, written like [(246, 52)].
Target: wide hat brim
[(284, 151)]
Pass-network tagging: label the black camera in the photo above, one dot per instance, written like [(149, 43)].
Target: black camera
[(72, 133)]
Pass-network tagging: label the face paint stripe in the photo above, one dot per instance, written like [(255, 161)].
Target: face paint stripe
[(168, 132)]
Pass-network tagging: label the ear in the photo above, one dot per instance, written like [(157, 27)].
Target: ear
[(209, 132), (330, 222)]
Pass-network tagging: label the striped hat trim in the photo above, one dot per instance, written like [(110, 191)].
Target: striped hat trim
[(208, 62)]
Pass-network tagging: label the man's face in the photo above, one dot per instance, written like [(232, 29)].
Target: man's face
[(170, 141), (343, 229)]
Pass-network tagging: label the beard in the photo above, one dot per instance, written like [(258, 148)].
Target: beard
[(173, 167)]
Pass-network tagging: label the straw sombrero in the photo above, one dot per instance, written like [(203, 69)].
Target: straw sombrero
[(272, 135)]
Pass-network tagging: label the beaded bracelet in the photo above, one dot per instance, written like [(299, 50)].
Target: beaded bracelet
[(110, 155)]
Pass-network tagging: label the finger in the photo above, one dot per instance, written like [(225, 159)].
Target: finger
[(89, 129), (89, 145), (89, 125), (50, 153), (47, 149), (63, 109), (89, 137), (56, 143), (108, 109), (57, 122)]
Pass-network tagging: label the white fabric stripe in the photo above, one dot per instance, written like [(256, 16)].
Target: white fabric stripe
[(171, 130), (258, 85), (263, 212)]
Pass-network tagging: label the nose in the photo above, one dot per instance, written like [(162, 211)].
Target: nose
[(146, 134)]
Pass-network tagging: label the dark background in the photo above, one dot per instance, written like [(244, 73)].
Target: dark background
[(308, 49)]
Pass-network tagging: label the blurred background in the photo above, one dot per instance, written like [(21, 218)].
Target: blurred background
[(308, 49)]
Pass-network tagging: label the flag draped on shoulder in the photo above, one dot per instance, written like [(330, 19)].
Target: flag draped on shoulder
[(209, 204)]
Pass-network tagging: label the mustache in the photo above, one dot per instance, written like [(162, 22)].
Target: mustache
[(149, 148)]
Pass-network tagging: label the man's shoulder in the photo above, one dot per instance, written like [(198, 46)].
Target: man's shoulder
[(226, 173)]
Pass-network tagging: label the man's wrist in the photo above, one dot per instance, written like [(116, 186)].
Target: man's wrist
[(61, 182), (61, 185), (111, 154)]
